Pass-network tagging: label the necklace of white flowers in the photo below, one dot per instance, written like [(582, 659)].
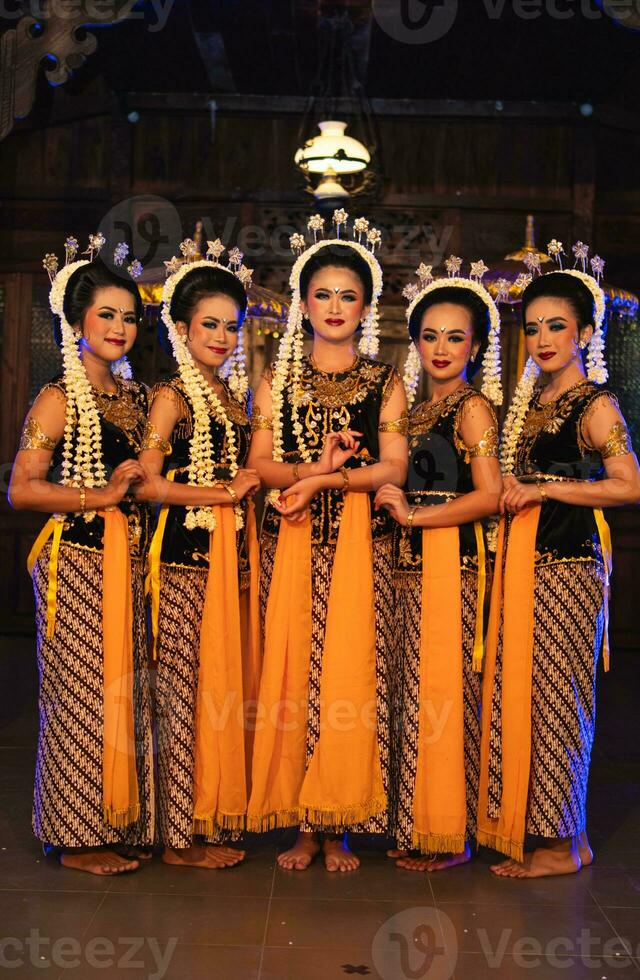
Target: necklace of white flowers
[(201, 395), (83, 465), (596, 364)]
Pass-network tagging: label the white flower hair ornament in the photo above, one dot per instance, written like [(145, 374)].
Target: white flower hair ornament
[(288, 368), (82, 464), (596, 364), (415, 293), (203, 399)]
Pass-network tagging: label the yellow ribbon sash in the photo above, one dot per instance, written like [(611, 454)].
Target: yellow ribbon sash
[(152, 581), (604, 533), (279, 749), (505, 833), (343, 784), (52, 529), (439, 801), (220, 792)]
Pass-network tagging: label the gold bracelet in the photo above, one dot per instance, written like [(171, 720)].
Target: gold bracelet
[(543, 493), (411, 515), (83, 499), (296, 474), (232, 493), (344, 473)]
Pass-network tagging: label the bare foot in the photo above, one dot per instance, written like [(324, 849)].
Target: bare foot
[(134, 853), (303, 852), (435, 864), (560, 859), (338, 857), (98, 862), (208, 856), (396, 852), (584, 849)]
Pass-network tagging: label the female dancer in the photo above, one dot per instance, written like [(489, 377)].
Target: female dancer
[(194, 448), (77, 461), (566, 454), (454, 481), (329, 430)]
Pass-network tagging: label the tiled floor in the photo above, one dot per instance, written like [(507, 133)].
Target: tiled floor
[(256, 921)]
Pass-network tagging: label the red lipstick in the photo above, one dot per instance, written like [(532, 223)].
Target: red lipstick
[(334, 321), (547, 355)]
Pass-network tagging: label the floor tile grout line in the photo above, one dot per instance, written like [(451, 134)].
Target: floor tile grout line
[(266, 921), (60, 976), (621, 938)]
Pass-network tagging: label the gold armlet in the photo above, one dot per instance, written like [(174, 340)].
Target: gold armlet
[(151, 439), (618, 442), (259, 421), (33, 436), (487, 446), (411, 515), (400, 425), (296, 473), (83, 500), (344, 473), (543, 492)]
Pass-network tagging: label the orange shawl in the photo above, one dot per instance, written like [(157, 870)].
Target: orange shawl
[(343, 783), (220, 792), (439, 801), (506, 832)]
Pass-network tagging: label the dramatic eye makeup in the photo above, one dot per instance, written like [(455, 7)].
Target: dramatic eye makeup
[(323, 294), (107, 313), (211, 323)]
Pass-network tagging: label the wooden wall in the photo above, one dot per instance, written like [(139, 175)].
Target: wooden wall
[(459, 179)]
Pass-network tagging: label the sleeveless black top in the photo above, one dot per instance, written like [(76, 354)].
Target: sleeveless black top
[(552, 442), (439, 470), (122, 421)]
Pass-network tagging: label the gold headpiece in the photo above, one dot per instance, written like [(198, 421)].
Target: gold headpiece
[(596, 363)]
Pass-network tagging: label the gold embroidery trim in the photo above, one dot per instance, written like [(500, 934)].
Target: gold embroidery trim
[(487, 446), (151, 439), (34, 437), (618, 442), (260, 421), (400, 425)]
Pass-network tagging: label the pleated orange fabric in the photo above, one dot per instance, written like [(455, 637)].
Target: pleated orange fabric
[(439, 803), (514, 591), (220, 793)]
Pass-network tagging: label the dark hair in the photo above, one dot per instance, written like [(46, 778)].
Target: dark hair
[(568, 288), (202, 283), (81, 290), (339, 257), (459, 296)]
